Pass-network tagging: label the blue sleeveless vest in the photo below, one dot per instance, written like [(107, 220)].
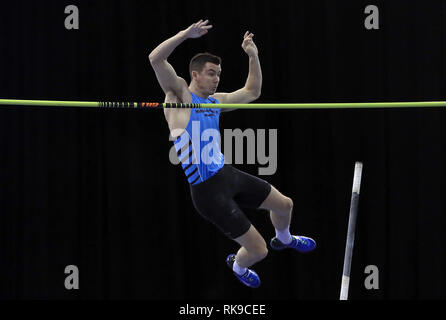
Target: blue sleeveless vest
[(199, 146)]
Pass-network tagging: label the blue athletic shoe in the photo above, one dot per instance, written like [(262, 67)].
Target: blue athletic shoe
[(300, 243), (249, 278)]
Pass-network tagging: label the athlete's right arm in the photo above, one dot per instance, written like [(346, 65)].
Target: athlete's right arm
[(165, 73)]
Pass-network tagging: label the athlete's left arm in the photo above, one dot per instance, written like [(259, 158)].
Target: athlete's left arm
[(253, 86)]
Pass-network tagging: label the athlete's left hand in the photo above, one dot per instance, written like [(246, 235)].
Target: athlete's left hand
[(248, 44)]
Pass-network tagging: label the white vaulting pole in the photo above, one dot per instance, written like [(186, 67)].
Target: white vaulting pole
[(351, 231)]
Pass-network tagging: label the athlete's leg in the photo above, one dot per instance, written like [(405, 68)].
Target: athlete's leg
[(280, 208), (253, 248), (257, 193)]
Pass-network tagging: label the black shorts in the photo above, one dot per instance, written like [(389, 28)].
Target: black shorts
[(219, 199)]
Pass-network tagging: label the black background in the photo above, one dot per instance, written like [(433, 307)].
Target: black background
[(94, 188)]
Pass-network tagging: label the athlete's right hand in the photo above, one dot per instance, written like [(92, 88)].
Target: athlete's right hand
[(197, 29)]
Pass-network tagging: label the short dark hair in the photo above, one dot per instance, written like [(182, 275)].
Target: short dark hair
[(199, 60)]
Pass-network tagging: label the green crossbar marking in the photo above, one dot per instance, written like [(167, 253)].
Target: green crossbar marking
[(337, 105)]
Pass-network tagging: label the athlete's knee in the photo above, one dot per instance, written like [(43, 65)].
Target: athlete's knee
[(285, 206), (260, 251), (263, 253), (257, 250), (289, 204)]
